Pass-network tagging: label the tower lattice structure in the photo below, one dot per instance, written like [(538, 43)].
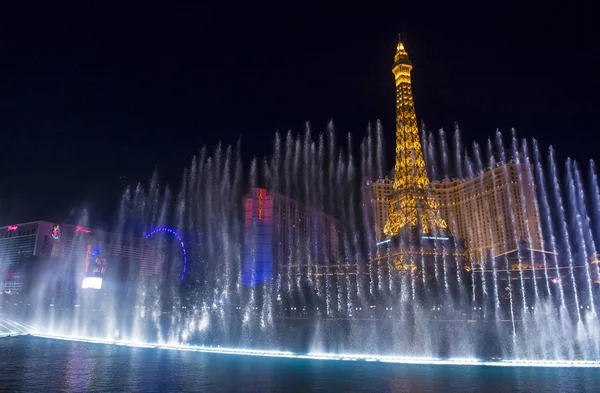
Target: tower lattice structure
[(412, 205)]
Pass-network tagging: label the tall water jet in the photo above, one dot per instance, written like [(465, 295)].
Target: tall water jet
[(458, 152)]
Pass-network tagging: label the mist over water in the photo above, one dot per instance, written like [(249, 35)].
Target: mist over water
[(542, 310)]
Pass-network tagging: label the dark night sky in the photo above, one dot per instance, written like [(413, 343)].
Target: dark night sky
[(89, 96)]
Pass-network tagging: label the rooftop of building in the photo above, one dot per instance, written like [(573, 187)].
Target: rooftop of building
[(298, 204), (447, 182)]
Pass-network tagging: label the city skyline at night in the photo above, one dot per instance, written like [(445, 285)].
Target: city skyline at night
[(231, 197)]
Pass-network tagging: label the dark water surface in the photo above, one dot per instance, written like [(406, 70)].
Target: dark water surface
[(41, 365)]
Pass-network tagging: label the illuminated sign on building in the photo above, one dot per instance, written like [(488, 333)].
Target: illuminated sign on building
[(83, 230), (87, 257), (56, 232), (435, 237), (261, 194), (12, 227), (91, 283), (56, 236)]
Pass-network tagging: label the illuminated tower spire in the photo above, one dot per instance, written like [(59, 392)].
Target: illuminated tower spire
[(411, 206)]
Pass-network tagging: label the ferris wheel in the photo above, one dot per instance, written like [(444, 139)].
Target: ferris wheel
[(174, 233)]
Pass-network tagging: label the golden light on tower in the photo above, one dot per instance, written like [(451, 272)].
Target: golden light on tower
[(411, 205)]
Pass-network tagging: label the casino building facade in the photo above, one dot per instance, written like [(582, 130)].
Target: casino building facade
[(283, 237), (68, 250)]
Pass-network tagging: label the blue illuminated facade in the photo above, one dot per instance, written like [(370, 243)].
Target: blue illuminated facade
[(276, 227), (258, 238)]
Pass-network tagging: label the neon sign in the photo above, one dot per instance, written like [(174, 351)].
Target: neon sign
[(174, 233), (56, 232), (261, 193), (87, 257), (83, 230), (12, 227)]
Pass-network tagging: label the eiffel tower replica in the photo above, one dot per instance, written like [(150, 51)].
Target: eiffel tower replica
[(412, 205), (415, 228)]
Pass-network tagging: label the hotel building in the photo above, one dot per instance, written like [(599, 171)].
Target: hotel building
[(493, 212), (71, 250), (376, 199), (282, 234)]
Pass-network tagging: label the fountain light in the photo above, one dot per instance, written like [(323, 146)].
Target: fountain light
[(332, 356)]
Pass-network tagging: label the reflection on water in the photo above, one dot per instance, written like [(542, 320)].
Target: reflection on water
[(36, 364)]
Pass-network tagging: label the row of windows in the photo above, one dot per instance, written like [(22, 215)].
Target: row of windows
[(12, 285), (14, 248), (18, 232)]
